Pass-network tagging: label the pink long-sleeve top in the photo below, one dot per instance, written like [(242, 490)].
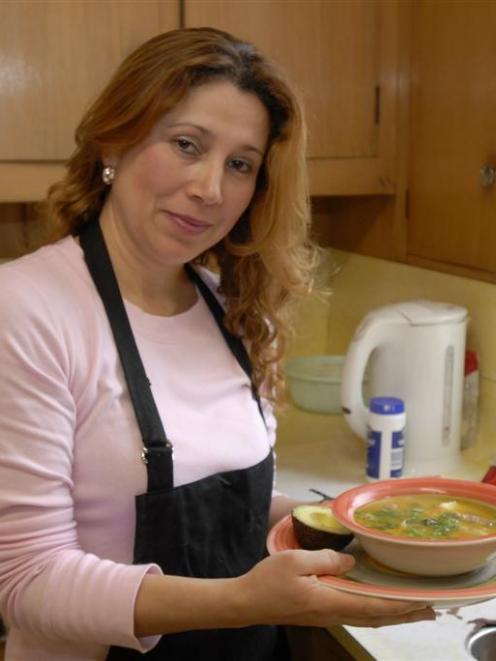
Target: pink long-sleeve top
[(70, 463)]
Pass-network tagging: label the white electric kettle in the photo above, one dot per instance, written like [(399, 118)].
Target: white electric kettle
[(415, 351)]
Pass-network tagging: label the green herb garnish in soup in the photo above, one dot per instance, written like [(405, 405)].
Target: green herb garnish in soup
[(428, 516)]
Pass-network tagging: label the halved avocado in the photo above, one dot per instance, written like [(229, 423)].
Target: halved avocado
[(316, 528)]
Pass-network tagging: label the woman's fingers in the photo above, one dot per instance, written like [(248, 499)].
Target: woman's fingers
[(321, 563), (420, 615), (384, 611), (284, 589), (357, 610)]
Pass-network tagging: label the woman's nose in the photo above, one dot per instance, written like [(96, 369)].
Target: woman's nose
[(206, 182)]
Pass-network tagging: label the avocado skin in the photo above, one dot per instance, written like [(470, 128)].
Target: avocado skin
[(313, 539)]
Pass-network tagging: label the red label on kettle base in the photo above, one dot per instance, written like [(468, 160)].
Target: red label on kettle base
[(385, 453)]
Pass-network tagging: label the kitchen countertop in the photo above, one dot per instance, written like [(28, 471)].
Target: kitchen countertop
[(321, 452)]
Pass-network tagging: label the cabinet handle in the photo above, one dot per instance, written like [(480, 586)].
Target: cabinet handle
[(487, 176)]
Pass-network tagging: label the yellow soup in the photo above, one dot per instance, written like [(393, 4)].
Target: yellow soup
[(428, 516)]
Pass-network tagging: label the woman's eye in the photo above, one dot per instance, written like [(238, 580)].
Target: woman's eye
[(187, 146), (240, 166)]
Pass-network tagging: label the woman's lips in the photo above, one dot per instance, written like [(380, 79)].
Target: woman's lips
[(188, 223)]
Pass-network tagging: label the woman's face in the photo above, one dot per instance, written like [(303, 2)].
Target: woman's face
[(184, 187)]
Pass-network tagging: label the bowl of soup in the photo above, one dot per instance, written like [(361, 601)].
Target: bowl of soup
[(428, 526)]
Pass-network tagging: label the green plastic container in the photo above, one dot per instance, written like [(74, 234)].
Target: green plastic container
[(314, 383)]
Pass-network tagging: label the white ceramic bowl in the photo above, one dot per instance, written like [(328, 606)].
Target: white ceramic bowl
[(417, 556), (314, 383)]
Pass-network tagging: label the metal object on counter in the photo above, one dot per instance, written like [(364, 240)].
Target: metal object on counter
[(487, 175), (321, 493), (482, 644)]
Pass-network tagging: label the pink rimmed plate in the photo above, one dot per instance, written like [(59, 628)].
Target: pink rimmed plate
[(369, 577)]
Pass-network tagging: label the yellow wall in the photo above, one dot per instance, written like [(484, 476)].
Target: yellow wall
[(363, 283)]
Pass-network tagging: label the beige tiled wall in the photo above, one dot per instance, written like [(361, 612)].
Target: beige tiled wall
[(363, 283)]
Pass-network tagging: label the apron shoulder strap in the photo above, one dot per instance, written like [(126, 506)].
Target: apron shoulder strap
[(234, 343), (157, 449)]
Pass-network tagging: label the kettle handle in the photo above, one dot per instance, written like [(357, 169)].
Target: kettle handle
[(369, 335)]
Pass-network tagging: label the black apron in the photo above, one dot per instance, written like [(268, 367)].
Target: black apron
[(212, 528)]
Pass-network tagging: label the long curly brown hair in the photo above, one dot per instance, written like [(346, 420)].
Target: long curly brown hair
[(267, 261)]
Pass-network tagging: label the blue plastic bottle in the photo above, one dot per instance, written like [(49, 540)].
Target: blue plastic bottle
[(386, 438)]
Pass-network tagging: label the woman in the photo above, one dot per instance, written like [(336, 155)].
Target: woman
[(136, 447)]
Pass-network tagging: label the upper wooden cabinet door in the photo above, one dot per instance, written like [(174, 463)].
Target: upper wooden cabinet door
[(452, 219), (55, 55), (342, 56)]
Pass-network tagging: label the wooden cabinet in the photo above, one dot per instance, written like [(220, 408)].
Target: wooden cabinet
[(441, 217), (452, 217), (55, 56), (343, 56)]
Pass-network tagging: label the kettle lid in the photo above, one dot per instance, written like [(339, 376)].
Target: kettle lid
[(424, 312)]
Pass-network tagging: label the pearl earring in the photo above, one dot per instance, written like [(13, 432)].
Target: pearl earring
[(108, 174)]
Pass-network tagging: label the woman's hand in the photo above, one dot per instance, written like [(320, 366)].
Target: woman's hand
[(283, 589)]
